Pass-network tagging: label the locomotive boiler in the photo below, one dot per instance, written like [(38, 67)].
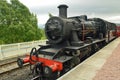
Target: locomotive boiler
[(72, 30), (70, 40)]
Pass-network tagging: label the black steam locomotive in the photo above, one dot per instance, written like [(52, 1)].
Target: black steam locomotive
[(70, 40)]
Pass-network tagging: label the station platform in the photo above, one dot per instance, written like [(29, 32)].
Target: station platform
[(103, 65)]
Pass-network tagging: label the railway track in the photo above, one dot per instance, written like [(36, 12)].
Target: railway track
[(9, 66), (11, 71)]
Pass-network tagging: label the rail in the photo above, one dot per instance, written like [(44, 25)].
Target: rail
[(18, 49)]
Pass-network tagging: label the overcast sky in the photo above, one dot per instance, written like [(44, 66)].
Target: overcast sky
[(106, 9)]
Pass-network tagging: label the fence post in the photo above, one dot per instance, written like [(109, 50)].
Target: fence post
[(0, 49), (18, 46)]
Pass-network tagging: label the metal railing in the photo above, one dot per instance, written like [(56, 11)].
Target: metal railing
[(18, 49)]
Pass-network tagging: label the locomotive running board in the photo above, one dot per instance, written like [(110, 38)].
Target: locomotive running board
[(85, 45)]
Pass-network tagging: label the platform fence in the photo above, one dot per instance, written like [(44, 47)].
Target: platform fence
[(18, 49)]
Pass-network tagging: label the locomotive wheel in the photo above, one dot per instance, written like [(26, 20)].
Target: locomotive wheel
[(89, 51), (96, 47), (75, 61), (38, 70), (77, 53), (47, 71), (70, 64)]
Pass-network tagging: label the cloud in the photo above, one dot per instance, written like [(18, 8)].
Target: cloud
[(106, 9), (42, 18), (115, 19), (43, 10), (39, 3)]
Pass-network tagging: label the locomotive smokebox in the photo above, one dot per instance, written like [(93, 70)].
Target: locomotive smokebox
[(63, 11)]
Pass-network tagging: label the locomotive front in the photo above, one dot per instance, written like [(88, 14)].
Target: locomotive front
[(58, 29)]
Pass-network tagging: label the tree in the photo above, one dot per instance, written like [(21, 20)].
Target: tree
[(17, 23)]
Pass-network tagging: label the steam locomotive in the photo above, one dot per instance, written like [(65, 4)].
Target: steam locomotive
[(70, 40)]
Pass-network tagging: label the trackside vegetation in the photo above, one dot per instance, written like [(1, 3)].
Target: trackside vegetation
[(17, 23)]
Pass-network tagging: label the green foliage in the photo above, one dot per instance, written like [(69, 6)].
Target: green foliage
[(43, 34), (17, 24)]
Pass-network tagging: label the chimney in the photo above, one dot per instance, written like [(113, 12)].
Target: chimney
[(63, 11)]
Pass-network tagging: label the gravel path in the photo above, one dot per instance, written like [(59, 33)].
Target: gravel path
[(111, 69), (20, 74)]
